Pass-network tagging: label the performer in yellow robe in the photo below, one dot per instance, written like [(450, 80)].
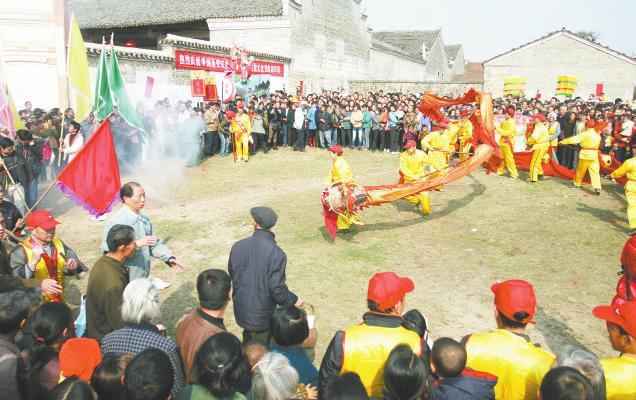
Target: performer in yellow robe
[(413, 164), (588, 156), (508, 131), (540, 142), (465, 135), (437, 143), (341, 172), (241, 128), (452, 132), (554, 130), (628, 170)]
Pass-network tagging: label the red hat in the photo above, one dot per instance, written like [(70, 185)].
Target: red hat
[(628, 257), (79, 357), (41, 219), (511, 111), (540, 117), (515, 296), (621, 291), (463, 114), (623, 315), (230, 115), (386, 289), (590, 123), (336, 148), (409, 144)]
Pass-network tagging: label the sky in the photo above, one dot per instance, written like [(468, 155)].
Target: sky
[(487, 28)]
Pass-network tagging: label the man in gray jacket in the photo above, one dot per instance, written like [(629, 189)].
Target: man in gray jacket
[(133, 196)]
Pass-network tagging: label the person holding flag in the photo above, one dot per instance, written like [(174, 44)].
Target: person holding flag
[(241, 128), (44, 257)]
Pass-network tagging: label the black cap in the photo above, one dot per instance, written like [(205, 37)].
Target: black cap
[(265, 217)]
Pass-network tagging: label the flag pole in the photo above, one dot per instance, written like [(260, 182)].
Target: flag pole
[(68, 96), (48, 189), (61, 141)]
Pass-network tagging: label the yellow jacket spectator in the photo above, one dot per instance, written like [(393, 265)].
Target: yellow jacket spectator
[(507, 351)]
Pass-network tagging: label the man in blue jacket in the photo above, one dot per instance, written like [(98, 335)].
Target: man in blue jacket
[(257, 269)]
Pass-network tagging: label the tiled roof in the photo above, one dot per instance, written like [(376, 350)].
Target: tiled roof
[(411, 42), (452, 50), (387, 48), (129, 13), (572, 35)]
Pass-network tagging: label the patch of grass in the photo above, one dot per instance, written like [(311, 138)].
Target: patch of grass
[(482, 228)]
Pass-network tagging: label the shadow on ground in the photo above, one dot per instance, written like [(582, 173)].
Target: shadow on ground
[(556, 333)]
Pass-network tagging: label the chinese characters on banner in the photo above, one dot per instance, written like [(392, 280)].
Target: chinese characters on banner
[(210, 62)]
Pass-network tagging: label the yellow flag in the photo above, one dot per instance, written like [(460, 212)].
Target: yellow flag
[(17, 121), (79, 84)]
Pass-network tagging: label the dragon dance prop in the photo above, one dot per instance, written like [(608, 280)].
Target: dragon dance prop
[(348, 199)]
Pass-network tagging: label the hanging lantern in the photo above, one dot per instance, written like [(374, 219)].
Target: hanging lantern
[(210, 90), (129, 43), (197, 87)]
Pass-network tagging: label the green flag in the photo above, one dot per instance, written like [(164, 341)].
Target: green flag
[(103, 99), (118, 92)]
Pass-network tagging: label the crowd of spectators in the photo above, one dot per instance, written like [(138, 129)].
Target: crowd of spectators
[(126, 353)]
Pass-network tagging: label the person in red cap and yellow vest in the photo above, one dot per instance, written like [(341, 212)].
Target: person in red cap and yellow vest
[(43, 256), (341, 172), (590, 141), (364, 348), (620, 373), (540, 142), (507, 351), (413, 164), (624, 291), (241, 128), (438, 144), (508, 131), (465, 135), (628, 170)]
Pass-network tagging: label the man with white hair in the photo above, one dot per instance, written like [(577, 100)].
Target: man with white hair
[(587, 364), (139, 312)]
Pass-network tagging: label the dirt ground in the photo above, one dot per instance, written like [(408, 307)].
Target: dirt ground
[(483, 228)]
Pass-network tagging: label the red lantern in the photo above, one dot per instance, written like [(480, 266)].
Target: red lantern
[(210, 92), (129, 43), (197, 87)]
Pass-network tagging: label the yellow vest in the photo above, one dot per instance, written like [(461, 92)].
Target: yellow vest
[(627, 170), (41, 272), (340, 172), (519, 365), (507, 129), (620, 377), (366, 349), (466, 131), (539, 139), (413, 165), (453, 132), (589, 141), (552, 128)]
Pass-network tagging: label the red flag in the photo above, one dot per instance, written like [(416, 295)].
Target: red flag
[(92, 179)]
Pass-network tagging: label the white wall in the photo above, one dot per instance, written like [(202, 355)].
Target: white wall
[(542, 63)]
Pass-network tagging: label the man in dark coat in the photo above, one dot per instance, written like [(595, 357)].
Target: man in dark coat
[(257, 269), (14, 176)]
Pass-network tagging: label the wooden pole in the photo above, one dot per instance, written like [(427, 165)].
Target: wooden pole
[(48, 189), (27, 244), (60, 142)]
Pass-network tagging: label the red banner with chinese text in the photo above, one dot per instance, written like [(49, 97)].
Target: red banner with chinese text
[(212, 62)]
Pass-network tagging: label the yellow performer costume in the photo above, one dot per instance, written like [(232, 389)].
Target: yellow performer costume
[(438, 145), (413, 164), (241, 128), (628, 170), (465, 138), (508, 131), (453, 136), (540, 142), (341, 172), (620, 374), (588, 156)]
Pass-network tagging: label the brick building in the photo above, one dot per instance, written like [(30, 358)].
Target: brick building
[(329, 42), (562, 52)]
